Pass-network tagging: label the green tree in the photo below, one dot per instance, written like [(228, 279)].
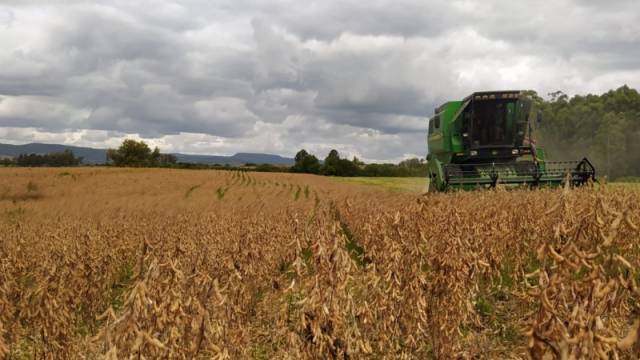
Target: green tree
[(344, 167), (413, 163), (167, 160), (335, 166), (6, 161), (306, 163), (65, 158), (330, 166), (605, 128), (154, 158), (138, 154), (610, 138)]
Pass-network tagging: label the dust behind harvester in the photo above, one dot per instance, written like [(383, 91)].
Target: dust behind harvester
[(486, 139)]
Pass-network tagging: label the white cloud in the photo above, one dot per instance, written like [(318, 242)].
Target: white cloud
[(227, 76)]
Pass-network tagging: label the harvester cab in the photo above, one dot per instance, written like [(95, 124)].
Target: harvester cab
[(486, 139)]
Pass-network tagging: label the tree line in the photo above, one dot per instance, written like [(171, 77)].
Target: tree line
[(604, 128), (132, 153), (334, 165), (55, 159)]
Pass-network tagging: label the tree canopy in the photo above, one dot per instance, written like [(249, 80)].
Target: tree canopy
[(64, 158), (335, 166), (138, 154), (306, 163), (604, 128)]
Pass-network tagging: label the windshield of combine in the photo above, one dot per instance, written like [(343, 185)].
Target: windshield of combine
[(492, 122)]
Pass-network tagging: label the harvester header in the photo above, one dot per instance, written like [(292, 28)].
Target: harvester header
[(486, 139)]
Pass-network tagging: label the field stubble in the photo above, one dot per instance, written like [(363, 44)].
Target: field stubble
[(122, 263)]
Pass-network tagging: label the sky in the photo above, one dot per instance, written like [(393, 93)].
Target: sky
[(227, 76)]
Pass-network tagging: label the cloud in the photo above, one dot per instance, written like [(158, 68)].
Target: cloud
[(226, 76)]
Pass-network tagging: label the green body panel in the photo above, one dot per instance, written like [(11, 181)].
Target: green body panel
[(445, 138), (436, 175), (486, 139)]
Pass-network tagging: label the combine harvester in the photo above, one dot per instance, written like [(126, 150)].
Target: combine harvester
[(487, 139)]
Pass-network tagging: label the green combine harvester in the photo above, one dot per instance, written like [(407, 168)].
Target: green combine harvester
[(487, 139)]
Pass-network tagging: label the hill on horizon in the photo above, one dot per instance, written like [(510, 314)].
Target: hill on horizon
[(92, 156)]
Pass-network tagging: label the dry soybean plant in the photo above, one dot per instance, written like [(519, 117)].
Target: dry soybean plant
[(120, 264)]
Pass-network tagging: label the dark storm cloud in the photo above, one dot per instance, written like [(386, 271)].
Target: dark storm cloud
[(241, 75)]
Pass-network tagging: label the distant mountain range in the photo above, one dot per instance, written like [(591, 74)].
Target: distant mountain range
[(98, 156)]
